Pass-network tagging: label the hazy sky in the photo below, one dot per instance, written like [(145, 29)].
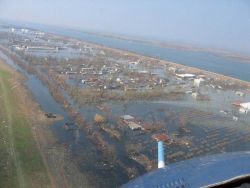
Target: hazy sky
[(209, 23)]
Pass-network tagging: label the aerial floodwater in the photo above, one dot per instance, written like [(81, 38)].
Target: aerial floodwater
[(200, 59), (113, 105)]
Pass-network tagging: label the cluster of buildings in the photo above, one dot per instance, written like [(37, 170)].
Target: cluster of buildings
[(114, 76), (116, 72)]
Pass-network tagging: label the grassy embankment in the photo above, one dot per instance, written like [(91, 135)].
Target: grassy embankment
[(21, 164)]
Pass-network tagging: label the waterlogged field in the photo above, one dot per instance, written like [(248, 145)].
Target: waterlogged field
[(94, 87)]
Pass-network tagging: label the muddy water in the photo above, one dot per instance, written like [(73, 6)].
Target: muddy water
[(42, 95), (89, 159), (83, 151)]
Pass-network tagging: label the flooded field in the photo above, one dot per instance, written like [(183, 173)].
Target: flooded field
[(113, 103)]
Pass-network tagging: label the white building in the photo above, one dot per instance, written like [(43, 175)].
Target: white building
[(198, 81), (195, 95), (243, 111), (239, 93), (245, 105), (186, 75)]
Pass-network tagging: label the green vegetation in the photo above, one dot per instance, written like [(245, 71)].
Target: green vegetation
[(20, 162)]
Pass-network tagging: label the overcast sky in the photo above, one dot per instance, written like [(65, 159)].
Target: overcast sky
[(209, 23)]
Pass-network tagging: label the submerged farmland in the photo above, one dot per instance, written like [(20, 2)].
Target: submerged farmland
[(113, 102)]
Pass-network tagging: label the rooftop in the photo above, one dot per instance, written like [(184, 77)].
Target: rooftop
[(160, 137)]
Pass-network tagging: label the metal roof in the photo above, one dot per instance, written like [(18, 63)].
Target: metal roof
[(127, 117), (160, 137), (198, 172)]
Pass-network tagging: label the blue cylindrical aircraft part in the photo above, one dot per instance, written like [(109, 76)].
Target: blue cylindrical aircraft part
[(161, 162)]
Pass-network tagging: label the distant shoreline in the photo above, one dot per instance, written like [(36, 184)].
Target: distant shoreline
[(179, 46), (162, 61), (173, 45)]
